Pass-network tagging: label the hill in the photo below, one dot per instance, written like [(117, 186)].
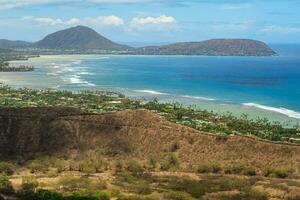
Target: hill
[(215, 47), (80, 38), (139, 134), (9, 44), (135, 154)]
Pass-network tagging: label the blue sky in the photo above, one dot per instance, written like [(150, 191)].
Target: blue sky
[(272, 21)]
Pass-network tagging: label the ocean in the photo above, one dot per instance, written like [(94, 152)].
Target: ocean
[(257, 86)]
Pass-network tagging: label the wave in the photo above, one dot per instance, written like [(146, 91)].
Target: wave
[(102, 58), (75, 80), (151, 92), (52, 74), (77, 62), (284, 111), (199, 98), (85, 73)]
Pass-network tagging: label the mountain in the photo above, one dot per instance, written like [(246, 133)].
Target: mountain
[(79, 38), (214, 47), (9, 44)]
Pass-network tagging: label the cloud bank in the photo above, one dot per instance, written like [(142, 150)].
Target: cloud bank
[(111, 20)]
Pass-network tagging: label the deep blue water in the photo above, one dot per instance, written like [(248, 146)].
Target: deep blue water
[(272, 81)]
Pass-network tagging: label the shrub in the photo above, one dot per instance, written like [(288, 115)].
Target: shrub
[(134, 197), (175, 146), (80, 198), (152, 163), (249, 171), (5, 185), (72, 184), (225, 184), (240, 169), (100, 184), (171, 162), (178, 196), (61, 165), (277, 172), (29, 183), (101, 195), (98, 165), (135, 167), (143, 188), (41, 195), (195, 188), (38, 166), (208, 168), (126, 177), (119, 166), (234, 169), (49, 195), (86, 167), (7, 168), (245, 195)]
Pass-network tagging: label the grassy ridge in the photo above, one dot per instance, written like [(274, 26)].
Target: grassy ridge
[(101, 102)]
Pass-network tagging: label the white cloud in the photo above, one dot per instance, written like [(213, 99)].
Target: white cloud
[(45, 20), (96, 21), (163, 19), (73, 21), (105, 21), (281, 29)]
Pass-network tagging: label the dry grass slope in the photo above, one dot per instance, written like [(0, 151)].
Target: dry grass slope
[(137, 134)]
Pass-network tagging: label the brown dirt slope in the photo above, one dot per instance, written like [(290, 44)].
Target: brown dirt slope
[(28, 133)]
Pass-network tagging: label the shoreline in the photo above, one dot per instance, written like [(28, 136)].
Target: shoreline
[(76, 82)]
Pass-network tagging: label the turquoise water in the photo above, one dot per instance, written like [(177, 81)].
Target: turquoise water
[(260, 86)]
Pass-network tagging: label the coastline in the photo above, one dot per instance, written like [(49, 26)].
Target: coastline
[(60, 64)]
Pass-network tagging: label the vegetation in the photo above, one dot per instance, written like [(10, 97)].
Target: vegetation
[(6, 67), (133, 182), (5, 185), (277, 172), (82, 177), (209, 168), (101, 102), (7, 168), (240, 169)]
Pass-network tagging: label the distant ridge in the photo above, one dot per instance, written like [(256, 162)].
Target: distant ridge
[(9, 44), (79, 37), (82, 39), (214, 47)]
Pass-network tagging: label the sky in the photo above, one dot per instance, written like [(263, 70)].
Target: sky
[(154, 21)]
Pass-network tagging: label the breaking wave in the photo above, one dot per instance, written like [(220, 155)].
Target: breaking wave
[(284, 111)]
